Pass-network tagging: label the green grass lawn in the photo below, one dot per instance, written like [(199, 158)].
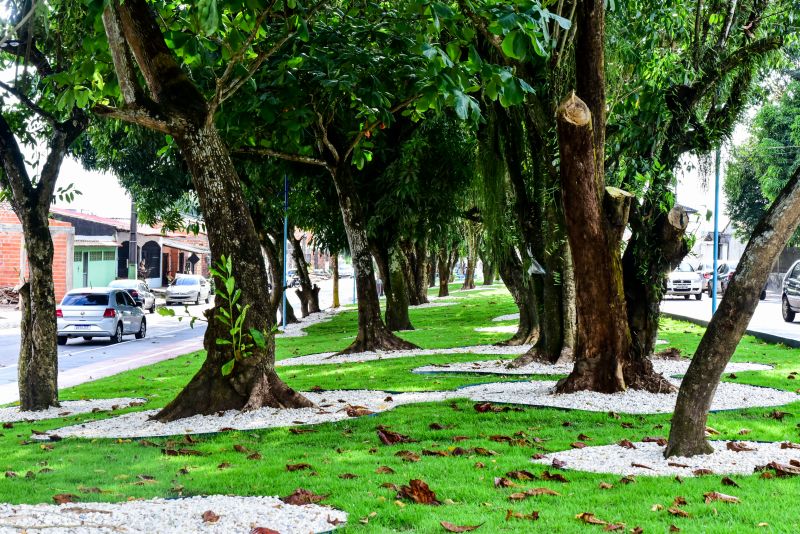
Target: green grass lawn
[(115, 470)]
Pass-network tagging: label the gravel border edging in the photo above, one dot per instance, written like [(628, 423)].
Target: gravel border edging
[(68, 408)]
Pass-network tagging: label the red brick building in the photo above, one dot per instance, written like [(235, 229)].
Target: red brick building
[(13, 260)]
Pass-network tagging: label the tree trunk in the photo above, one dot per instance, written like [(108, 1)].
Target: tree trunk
[(397, 296), (444, 274), (489, 271), (473, 242), (335, 263), (38, 358), (687, 432), (372, 333), (308, 293), (603, 338), (666, 246), (274, 253), (418, 270), (431, 271), (521, 287), (409, 271), (252, 383)]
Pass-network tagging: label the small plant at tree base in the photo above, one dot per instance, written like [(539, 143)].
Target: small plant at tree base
[(231, 314)]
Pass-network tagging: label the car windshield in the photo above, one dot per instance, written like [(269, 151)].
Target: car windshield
[(187, 282), (684, 268), (85, 299), (127, 284)]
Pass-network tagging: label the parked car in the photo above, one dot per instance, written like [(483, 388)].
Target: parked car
[(140, 292), (188, 288), (790, 293), (707, 270), (292, 280), (99, 312), (725, 272), (685, 281), (346, 271)]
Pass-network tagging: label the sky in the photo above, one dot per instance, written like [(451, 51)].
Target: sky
[(101, 193)]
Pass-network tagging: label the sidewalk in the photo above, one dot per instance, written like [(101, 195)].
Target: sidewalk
[(10, 318), (766, 324)]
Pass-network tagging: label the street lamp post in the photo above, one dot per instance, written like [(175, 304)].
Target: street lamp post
[(714, 276), (285, 239)]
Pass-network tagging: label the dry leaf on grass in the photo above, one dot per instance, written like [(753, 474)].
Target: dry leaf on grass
[(727, 481), (606, 485), (357, 411), (532, 493), (418, 492), (384, 470), (408, 456), (297, 467), (302, 496), (626, 443), (590, 518), (717, 496), (450, 527), (263, 530), (738, 446), (390, 437), (64, 498), (677, 512), (511, 514), (521, 475), (557, 477)]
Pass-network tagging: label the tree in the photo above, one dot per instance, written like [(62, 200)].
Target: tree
[(176, 106), (43, 109), (727, 326)]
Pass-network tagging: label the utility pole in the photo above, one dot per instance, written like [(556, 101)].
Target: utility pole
[(714, 277), (133, 260), (285, 239)]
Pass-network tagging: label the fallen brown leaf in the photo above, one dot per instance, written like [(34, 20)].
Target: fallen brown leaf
[(702, 472), (210, 517), (357, 411), (606, 485), (418, 492), (557, 477), (738, 446), (408, 456), (263, 530), (611, 527), (727, 481), (777, 414), (502, 482), (450, 527), (297, 467), (347, 476), (577, 445), (717, 496), (591, 519), (673, 528), (789, 445), (661, 441), (679, 501), (630, 479), (677, 512), (390, 437), (64, 498), (521, 475), (436, 452), (627, 444), (384, 470), (302, 496), (533, 516)]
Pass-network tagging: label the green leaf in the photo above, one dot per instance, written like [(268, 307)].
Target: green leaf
[(165, 312), (228, 367), (514, 45), (461, 105), (221, 341), (258, 338)]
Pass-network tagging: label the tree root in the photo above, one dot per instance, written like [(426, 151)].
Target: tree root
[(381, 340)]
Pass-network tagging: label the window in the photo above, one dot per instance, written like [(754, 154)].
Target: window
[(121, 299), (78, 256), (95, 255), (109, 255), (796, 271), (85, 299), (128, 299)]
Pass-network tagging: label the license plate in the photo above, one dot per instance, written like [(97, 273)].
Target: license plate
[(82, 327)]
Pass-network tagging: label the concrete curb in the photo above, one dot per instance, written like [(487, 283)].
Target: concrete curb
[(764, 336), (8, 325)]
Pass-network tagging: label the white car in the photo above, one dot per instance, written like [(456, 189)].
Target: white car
[(685, 281), (188, 288), (99, 312)]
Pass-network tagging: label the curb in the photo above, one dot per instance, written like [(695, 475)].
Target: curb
[(763, 336), (9, 325)]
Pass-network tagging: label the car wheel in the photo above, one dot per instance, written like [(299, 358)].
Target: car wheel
[(699, 296), (786, 310), (686, 297), (87, 338), (167, 303), (208, 297), (197, 300), (763, 295), (117, 337), (153, 307), (62, 340), (142, 330)]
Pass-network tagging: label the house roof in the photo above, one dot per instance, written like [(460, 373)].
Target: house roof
[(188, 247), (113, 222), (96, 241)]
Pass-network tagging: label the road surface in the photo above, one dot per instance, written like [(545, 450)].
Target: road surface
[(80, 361)]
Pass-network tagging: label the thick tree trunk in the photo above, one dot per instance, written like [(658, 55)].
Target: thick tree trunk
[(372, 333), (335, 264), (603, 338), (38, 363), (409, 271), (252, 383), (473, 242), (397, 299), (521, 287), (666, 246), (418, 271), (274, 253), (687, 433), (431, 271), (308, 292)]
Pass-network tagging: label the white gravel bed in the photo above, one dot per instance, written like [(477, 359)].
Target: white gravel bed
[(540, 393), (510, 329), (326, 358), (170, 516), (331, 406), (509, 317), (298, 329), (67, 408), (500, 367), (619, 460)]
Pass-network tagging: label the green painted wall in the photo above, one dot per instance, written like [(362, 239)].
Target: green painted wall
[(99, 264)]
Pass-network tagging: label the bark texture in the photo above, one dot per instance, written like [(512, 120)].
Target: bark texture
[(521, 287), (372, 332), (687, 432), (446, 261), (335, 264), (393, 272), (603, 339), (178, 108)]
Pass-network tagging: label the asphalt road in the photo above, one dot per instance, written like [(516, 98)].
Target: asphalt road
[(80, 360)]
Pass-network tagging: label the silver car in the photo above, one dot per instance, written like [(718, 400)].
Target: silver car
[(188, 288), (99, 312), (139, 291)]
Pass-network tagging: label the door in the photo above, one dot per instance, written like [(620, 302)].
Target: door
[(126, 311), (85, 264), (793, 287)]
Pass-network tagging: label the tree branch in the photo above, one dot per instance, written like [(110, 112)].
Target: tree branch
[(263, 151), (138, 115), (132, 92), (33, 54), (33, 106), (16, 175), (370, 126)]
